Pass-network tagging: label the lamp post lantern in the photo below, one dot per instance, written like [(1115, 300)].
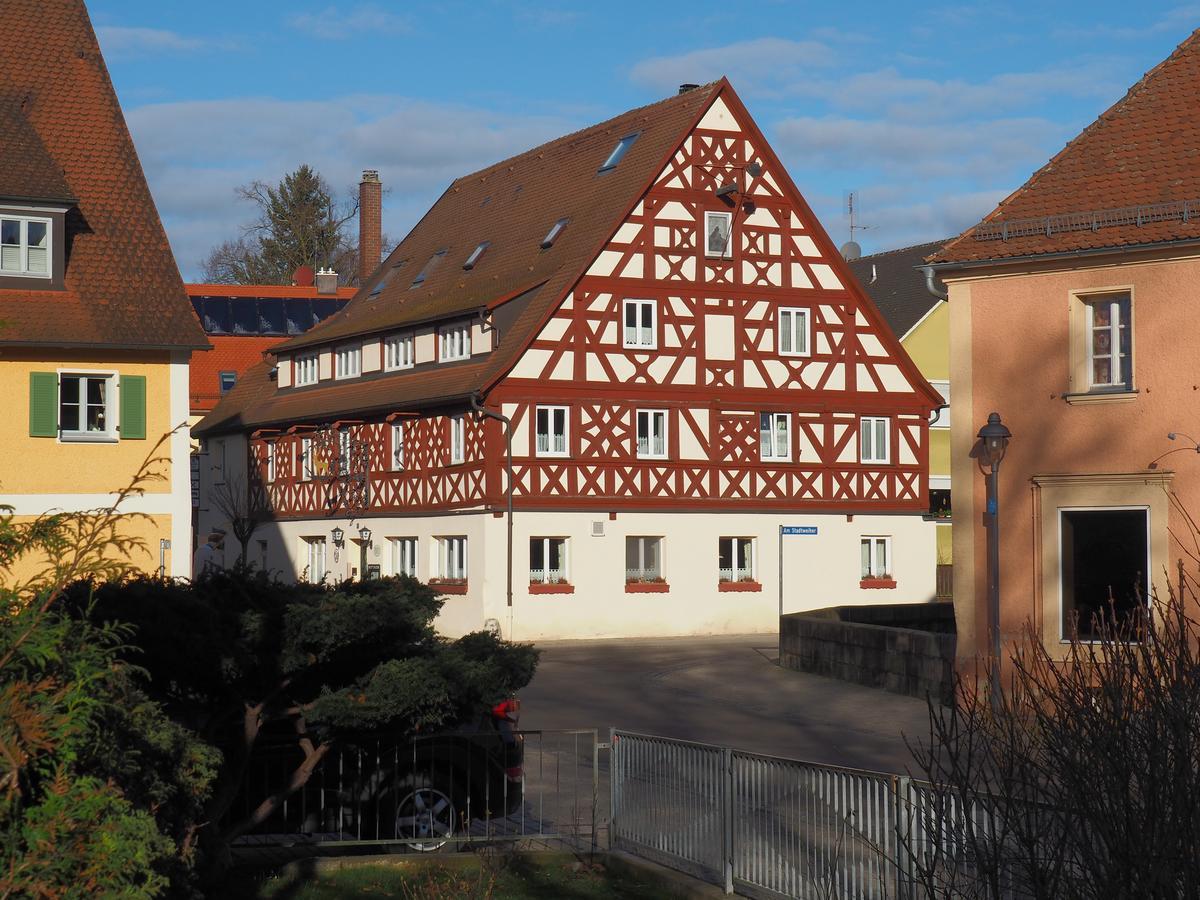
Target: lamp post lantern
[(364, 541), (994, 438)]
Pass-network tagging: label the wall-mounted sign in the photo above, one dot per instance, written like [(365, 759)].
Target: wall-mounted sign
[(799, 529)]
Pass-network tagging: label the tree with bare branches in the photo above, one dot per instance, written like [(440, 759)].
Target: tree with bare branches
[(244, 508)]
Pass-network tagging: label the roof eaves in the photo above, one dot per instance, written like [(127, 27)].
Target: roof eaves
[(952, 265)]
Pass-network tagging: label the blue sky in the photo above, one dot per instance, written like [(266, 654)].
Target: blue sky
[(932, 113)]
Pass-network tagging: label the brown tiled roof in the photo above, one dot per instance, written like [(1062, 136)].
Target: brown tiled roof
[(29, 171), (897, 286), (309, 292), (512, 204), (1144, 150), (230, 353), (122, 286)]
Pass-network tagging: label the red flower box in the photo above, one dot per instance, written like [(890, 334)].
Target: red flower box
[(877, 583), (447, 588), (724, 586), (647, 587), (538, 587)]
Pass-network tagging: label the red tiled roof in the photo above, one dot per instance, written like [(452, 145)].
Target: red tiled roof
[(1143, 150), (122, 286), (513, 204), (230, 353)]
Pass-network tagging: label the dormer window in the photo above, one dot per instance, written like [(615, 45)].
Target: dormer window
[(454, 342), (553, 233), (475, 255), (306, 369), (348, 361), (619, 151), (25, 246), (428, 268)]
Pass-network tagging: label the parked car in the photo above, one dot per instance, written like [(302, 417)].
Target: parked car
[(422, 791)]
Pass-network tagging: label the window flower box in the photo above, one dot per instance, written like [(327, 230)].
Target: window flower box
[(551, 587), (745, 584), (449, 586), (883, 583)]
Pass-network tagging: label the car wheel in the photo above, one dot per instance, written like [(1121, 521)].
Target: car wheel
[(426, 815)]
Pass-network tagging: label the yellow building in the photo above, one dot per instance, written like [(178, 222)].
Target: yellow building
[(921, 320), (96, 330)]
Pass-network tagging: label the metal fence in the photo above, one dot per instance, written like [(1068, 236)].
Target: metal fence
[(772, 827), (430, 791)]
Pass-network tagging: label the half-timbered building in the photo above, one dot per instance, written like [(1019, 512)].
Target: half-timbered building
[(637, 335)]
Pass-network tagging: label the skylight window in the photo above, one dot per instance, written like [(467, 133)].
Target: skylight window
[(378, 289), (429, 267), (619, 151), (475, 254), (553, 233)]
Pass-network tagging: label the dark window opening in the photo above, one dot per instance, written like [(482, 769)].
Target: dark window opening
[(1105, 565), (323, 308), (939, 503), (228, 380)]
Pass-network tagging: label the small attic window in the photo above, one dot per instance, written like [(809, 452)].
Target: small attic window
[(475, 254), (619, 151), (553, 233), (378, 289), (429, 267)]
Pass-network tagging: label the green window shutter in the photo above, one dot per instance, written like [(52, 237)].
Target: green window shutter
[(43, 404), (133, 407)]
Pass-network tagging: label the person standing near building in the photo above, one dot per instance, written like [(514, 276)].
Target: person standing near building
[(206, 559)]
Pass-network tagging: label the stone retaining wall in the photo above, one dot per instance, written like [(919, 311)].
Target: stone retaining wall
[(906, 648)]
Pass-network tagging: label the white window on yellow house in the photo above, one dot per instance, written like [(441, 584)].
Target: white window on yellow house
[(87, 406)]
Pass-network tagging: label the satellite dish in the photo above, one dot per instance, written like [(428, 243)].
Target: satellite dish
[(851, 250), (303, 276)]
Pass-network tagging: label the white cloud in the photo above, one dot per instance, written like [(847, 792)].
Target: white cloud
[(122, 42), (193, 161), (362, 19), (763, 64)]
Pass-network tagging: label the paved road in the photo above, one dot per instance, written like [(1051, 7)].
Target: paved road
[(721, 690)]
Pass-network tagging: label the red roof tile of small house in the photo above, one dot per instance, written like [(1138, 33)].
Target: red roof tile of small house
[(230, 353), (1122, 182), (62, 119)]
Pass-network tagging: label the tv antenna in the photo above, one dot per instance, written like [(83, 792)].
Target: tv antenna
[(851, 210)]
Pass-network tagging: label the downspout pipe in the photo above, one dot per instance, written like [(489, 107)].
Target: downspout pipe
[(931, 285), (507, 423)]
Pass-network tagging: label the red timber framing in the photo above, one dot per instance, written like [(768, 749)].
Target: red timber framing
[(715, 367)]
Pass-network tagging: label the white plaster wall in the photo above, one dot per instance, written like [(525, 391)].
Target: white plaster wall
[(818, 571), (424, 345), (372, 355), (284, 375)]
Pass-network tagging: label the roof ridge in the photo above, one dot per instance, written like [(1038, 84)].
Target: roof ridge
[(940, 242), (1131, 93), (574, 135)]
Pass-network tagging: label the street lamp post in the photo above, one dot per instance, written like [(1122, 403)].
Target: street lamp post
[(994, 438), (364, 537)]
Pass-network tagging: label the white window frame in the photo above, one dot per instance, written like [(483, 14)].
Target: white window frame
[(270, 450), (344, 448), (637, 338), (316, 551), (458, 440), (452, 559), (347, 361), (650, 416), (556, 444), (25, 271), (1062, 637), (872, 424), (640, 573), (771, 452), (1120, 363), (710, 216), (786, 323), (404, 555), (111, 432), (454, 342), (870, 570), (941, 417), (305, 462), (736, 573), (399, 352), (543, 575), (397, 446), (306, 369)]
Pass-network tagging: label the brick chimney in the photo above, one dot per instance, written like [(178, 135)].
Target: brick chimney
[(370, 224)]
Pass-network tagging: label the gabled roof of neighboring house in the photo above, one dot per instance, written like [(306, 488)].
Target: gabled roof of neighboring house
[(898, 288), (513, 204), (230, 353), (63, 137), (1122, 182), (201, 289)]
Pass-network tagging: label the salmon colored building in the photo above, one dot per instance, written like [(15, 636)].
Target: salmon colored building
[(1072, 315)]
